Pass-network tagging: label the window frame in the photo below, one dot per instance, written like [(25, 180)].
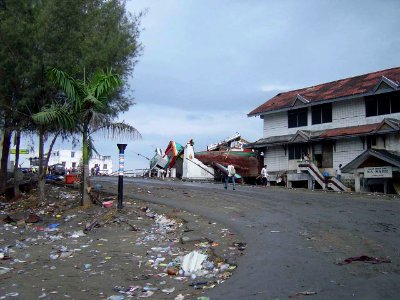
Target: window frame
[(296, 151), (317, 111), (294, 117), (371, 141), (382, 104)]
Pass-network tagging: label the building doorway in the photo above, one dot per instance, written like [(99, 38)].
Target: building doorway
[(323, 154)]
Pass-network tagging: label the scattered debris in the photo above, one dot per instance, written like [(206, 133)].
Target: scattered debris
[(32, 218), (4, 270), (305, 293), (108, 204), (366, 259), (60, 239), (192, 262), (240, 246)]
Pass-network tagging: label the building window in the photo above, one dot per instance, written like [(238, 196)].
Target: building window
[(321, 113), (297, 151), (72, 154), (297, 117), (105, 167), (382, 104), (371, 141)]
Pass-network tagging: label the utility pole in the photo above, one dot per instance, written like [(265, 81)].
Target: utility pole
[(121, 160)]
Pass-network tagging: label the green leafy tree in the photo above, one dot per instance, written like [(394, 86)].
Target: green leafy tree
[(15, 31), (89, 101), (71, 35)]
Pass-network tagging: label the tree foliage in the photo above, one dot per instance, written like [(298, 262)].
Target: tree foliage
[(71, 35), (88, 100)]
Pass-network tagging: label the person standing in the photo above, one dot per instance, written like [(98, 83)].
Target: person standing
[(264, 175), (339, 173), (326, 178), (230, 176)]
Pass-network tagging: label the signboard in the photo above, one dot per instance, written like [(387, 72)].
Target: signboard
[(378, 172), (21, 151)]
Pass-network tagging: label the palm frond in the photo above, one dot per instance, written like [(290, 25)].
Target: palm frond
[(71, 87), (58, 115), (119, 129), (98, 120), (104, 83)]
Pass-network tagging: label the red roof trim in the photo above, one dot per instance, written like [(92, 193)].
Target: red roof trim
[(353, 130)]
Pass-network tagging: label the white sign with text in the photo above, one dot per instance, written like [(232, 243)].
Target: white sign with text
[(378, 172)]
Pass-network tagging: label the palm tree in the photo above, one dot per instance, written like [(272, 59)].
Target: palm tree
[(89, 102), (53, 120)]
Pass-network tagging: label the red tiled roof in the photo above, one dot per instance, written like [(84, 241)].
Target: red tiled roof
[(353, 130), (328, 91)]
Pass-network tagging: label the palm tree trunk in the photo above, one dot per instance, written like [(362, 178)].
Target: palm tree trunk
[(4, 157), (85, 171), (42, 171), (17, 172), (53, 141)]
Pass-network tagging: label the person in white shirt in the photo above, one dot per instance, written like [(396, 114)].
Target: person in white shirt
[(230, 176), (339, 172), (264, 175)]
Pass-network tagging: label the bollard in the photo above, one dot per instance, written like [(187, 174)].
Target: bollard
[(121, 148)]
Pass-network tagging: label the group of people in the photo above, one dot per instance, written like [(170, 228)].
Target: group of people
[(231, 172), (95, 171)]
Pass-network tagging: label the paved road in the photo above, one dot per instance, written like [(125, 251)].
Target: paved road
[(295, 238)]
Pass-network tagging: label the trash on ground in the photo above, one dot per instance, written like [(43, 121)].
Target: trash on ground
[(108, 204), (192, 262), (365, 259), (4, 270)]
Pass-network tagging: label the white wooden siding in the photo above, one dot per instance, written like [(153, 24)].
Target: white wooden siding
[(344, 114), (348, 113), (346, 151), (392, 142), (276, 124), (275, 159)]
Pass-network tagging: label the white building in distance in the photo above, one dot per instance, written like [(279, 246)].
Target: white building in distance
[(72, 160)]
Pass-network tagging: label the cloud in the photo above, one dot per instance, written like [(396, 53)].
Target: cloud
[(276, 87), (199, 79), (153, 119)]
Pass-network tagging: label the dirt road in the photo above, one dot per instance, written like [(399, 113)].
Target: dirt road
[(297, 240)]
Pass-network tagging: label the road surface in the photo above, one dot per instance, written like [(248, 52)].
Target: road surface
[(295, 239)]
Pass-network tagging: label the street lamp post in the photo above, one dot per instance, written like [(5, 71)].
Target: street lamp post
[(121, 159)]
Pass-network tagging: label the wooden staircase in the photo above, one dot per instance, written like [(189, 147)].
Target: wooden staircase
[(332, 183)]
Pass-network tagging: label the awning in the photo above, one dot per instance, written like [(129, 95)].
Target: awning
[(390, 157)]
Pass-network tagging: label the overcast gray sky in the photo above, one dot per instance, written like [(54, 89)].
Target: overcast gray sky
[(207, 63)]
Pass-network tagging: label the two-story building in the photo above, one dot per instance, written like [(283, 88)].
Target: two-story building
[(352, 122)]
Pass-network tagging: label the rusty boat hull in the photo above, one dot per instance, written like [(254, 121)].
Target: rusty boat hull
[(247, 163)]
